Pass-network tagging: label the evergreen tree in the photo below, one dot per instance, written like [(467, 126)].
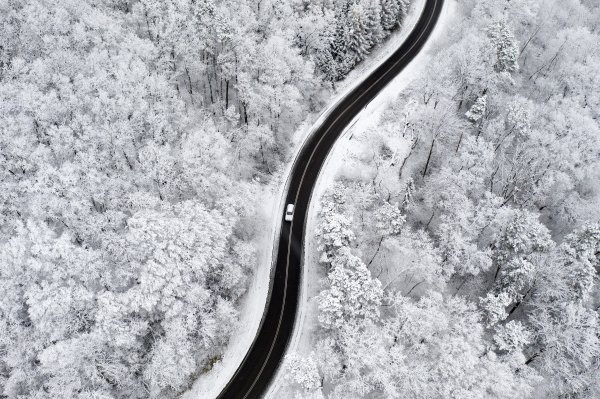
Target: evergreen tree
[(403, 11), (507, 48), (340, 46), (373, 13), (360, 40), (390, 9), (327, 64), (393, 13)]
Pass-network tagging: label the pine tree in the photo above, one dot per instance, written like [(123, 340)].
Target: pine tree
[(403, 11), (569, 275), (373, 13), (327, 64), (393, 13), (360, 42), (389, 14), (507, 48), (340, 44)]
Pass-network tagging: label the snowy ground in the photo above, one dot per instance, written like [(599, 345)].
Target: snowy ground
[(210, 384), (338, 160)]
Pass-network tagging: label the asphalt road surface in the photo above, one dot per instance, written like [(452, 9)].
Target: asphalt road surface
[(258, 368)]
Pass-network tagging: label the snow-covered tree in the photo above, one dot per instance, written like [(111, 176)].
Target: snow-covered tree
[(357, 27), (333, 234), (360, 35), (303, 371), (567, 347), (393, 13), (374, 28), (477, 110), (497, 255), (507, 48), (521, 234), (495, 305), (512, 336), (352, 294), (389, 219)]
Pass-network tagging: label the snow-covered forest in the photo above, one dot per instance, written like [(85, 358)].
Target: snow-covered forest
[(136, 137), (460, 243)]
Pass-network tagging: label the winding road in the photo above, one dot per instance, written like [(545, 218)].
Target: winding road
[(256, 372)]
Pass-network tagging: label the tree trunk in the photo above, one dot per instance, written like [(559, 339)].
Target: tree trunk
[(414, 286), (210, 90), (430, 219), (376, 252), (428, 157), (459, 141), (190, 90), (226, 94), (533, 357)]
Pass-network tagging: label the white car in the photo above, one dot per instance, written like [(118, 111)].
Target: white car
[(289, 212)]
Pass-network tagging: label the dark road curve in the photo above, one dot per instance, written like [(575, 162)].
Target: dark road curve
[(258, 368)]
